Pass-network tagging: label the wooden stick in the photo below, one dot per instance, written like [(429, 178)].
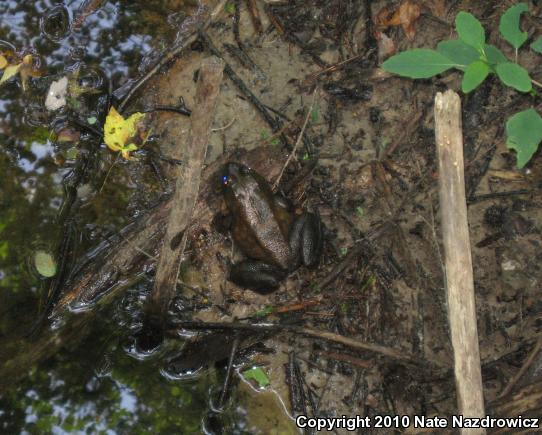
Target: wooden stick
[(525, 402), (186, 190), (526, 365), (458, 261)]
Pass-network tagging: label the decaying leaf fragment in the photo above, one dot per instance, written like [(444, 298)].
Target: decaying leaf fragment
[(118, 131), (405, 16), (25, 68)]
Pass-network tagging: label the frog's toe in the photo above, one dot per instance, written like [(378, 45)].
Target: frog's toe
[(258, 276)]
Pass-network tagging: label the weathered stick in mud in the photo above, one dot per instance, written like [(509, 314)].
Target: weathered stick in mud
[(187, 184), (458, 261)]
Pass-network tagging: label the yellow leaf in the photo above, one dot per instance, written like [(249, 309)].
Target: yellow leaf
[(9, 72), (127, 149), (118, 130), (28, 60), (3, 62)]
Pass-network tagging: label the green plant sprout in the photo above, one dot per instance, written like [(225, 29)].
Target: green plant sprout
[(477, 59)]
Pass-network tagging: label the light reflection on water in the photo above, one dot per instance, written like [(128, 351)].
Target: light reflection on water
[(69, 393)]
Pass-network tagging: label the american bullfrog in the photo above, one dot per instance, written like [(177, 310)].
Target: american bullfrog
[(266, 231)]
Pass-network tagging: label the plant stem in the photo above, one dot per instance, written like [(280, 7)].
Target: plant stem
[(534, 82)]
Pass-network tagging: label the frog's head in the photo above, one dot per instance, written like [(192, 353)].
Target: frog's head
[(240, 183)]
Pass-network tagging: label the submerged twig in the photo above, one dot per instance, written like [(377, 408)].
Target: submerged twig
[(229, 372), (232, 75), (173, 53)]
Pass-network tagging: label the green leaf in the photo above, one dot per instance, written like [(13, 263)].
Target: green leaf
[(524, 131), (509, 25), (457, 51), (537, 45), (230, 8), (475, 74), (515, 76), (264, 312), (314, 115), (420, 63), (258, 375), (92, 120), (45, 264), (470, 30), (494, 55)]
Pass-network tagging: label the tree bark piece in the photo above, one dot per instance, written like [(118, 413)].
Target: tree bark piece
[(186, 189), (458, 261)]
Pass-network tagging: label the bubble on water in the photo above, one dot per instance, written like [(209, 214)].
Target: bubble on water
[(55, 24)]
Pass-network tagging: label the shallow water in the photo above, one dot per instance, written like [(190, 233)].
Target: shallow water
[(96, 384)]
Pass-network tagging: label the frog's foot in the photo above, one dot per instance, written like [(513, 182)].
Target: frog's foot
[(306, 239), (263, 278)]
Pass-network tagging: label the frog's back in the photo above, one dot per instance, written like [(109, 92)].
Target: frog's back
[(261, 230)]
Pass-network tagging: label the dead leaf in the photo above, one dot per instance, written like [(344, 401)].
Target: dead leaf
[(387, 17), (118, 131), (386, 46), (68, 134), (409, 13), (28, 69), (25, 69), (437, 7), (405, 15)]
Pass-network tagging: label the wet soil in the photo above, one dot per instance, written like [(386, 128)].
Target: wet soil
[(369, 167)]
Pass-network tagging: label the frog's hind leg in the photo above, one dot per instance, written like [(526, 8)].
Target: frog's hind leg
[(263, 278)]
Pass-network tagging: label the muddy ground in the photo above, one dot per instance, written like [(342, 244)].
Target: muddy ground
[(374, 140), (368, 165)]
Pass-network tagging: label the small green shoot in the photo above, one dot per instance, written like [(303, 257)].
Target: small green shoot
[(230, 8), (264, 312), (257, 374), (360, 212), (315, 287), (314, 115), (478, 60)]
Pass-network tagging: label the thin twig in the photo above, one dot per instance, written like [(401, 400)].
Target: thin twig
[(352, 343), (109, 171), (528, 362), (174, 52), (228, 125), (298, 141)]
